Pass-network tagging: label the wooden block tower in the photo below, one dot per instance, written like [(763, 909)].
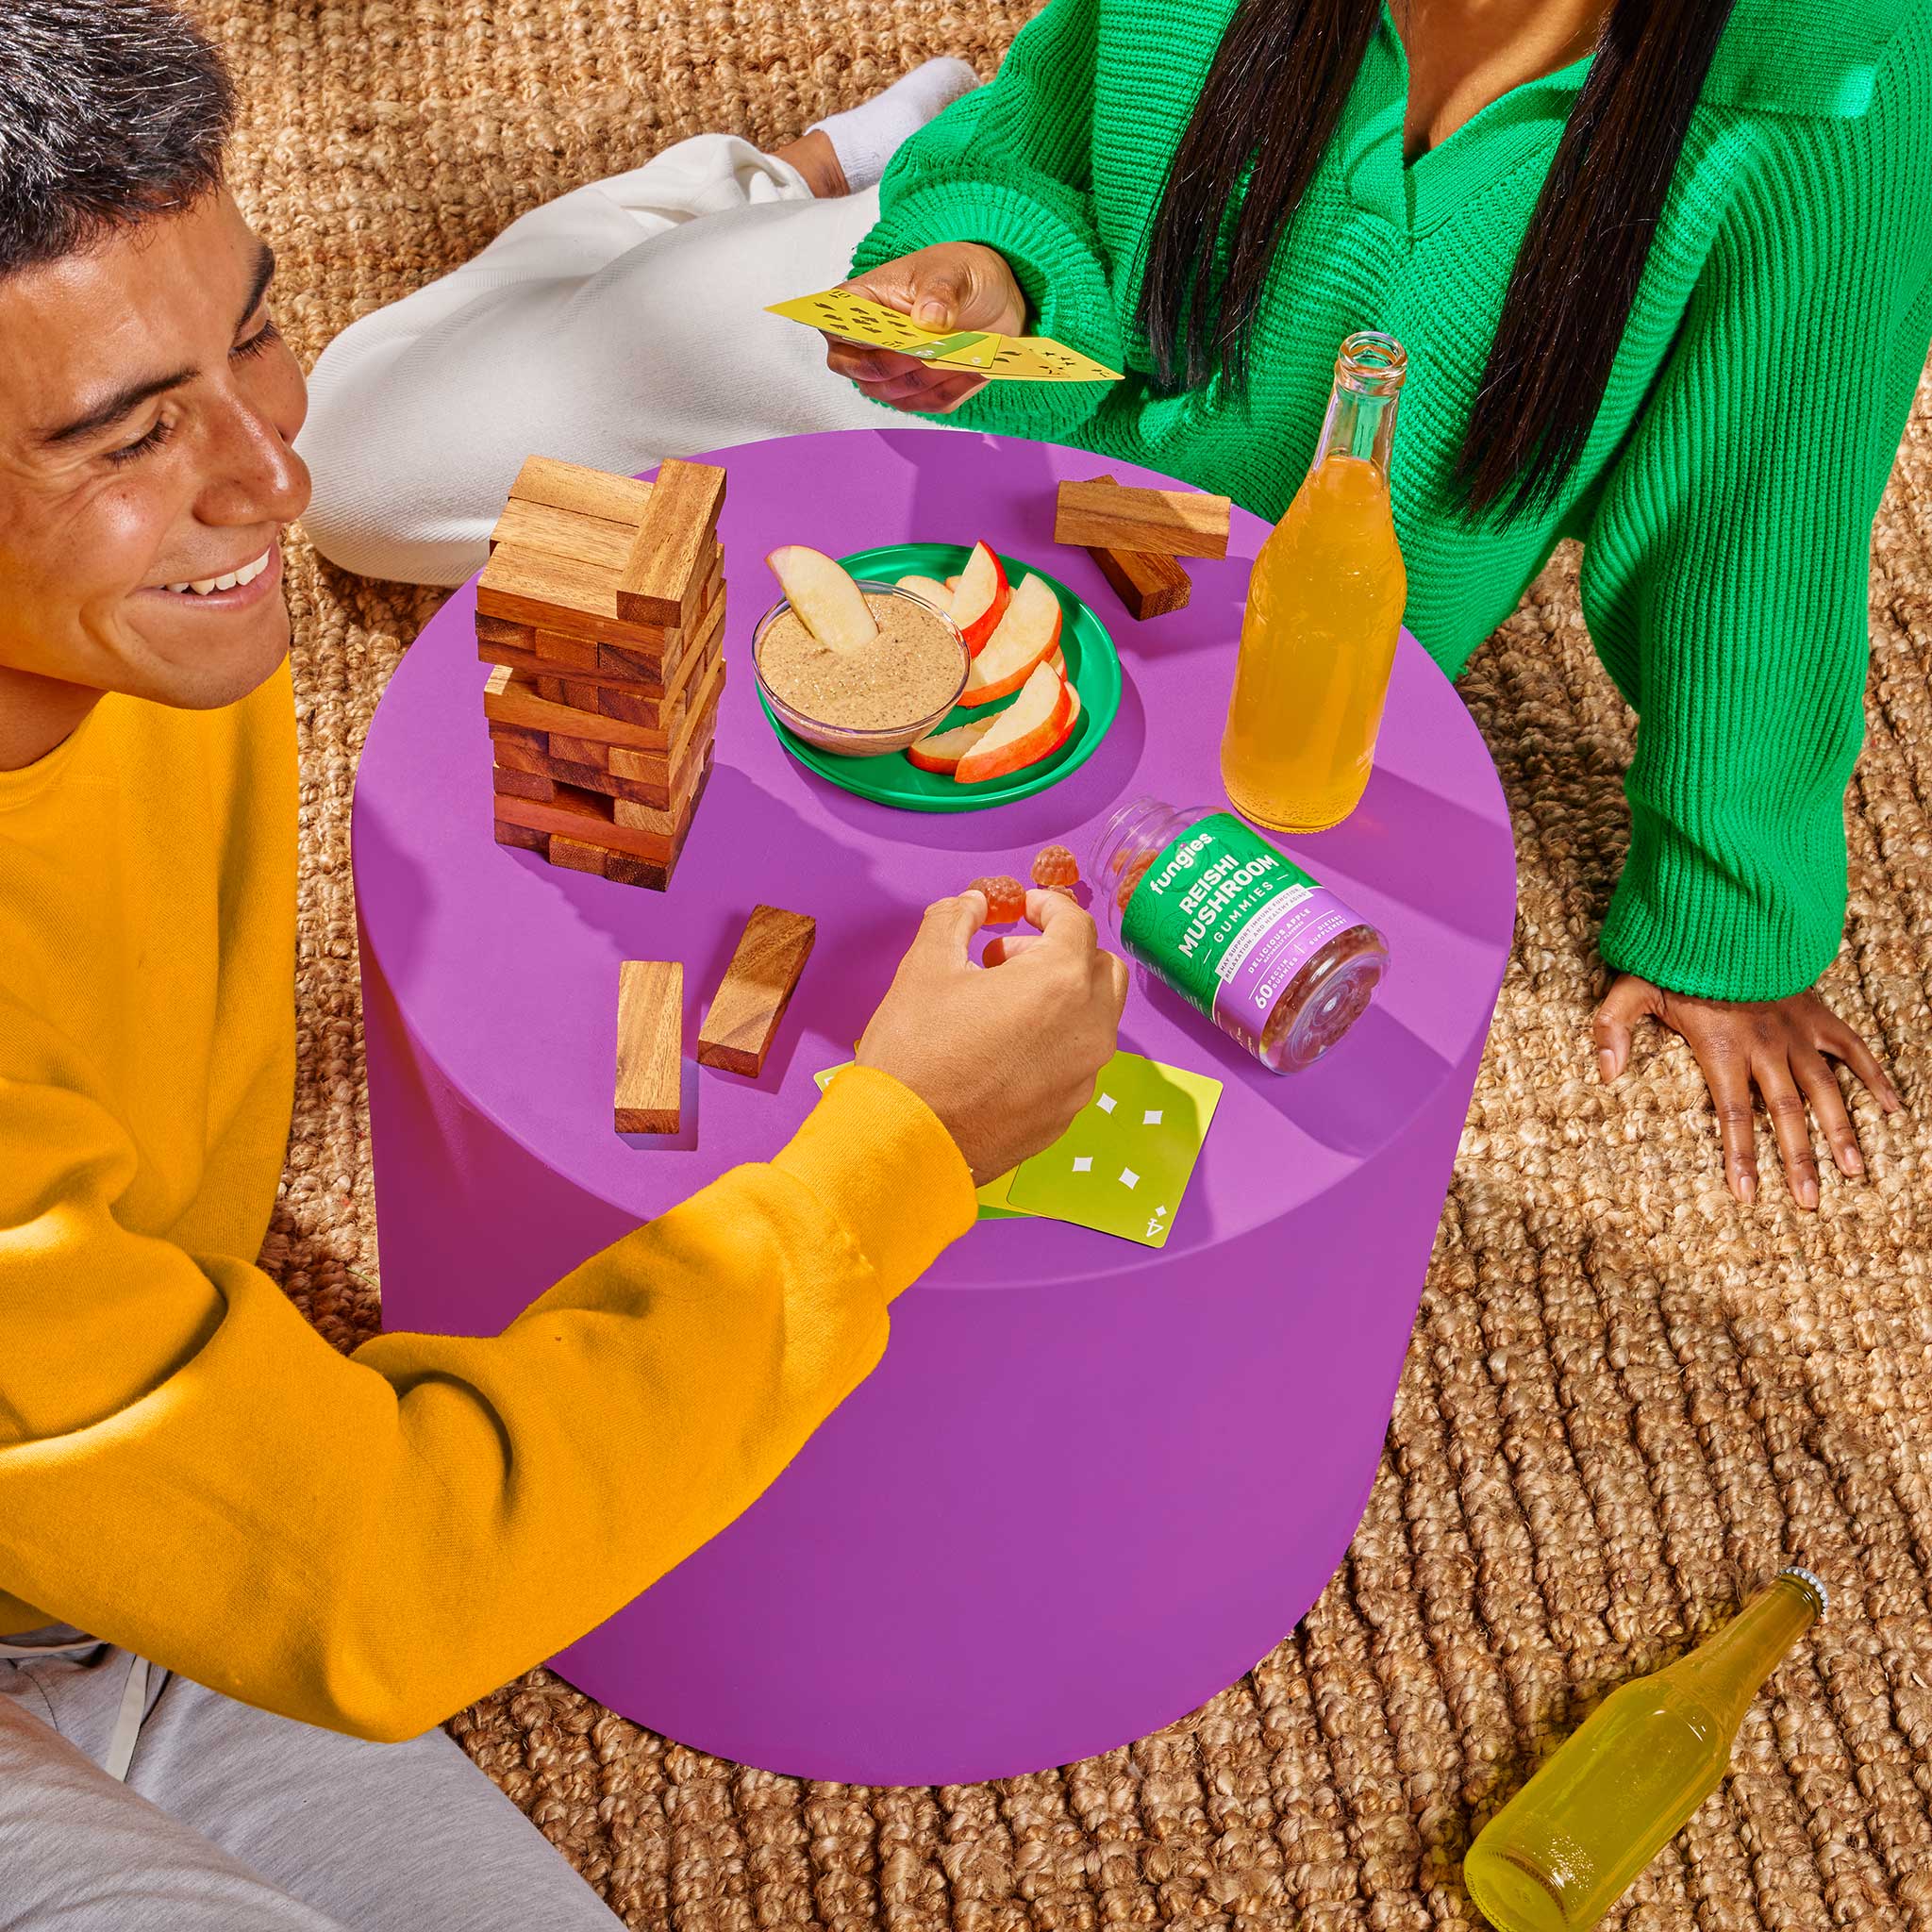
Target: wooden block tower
[(603, 610)]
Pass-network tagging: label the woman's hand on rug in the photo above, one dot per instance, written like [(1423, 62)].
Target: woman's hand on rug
[(1006, 1055), (1781, 1048), (956, 285)]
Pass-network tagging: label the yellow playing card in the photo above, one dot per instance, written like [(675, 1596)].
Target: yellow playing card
[(852, 317)]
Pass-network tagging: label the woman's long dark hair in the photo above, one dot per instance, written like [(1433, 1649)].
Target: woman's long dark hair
[(1270, 108)]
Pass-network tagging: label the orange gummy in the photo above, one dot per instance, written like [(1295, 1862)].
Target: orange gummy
[(1055, 866), (1138, 868), (1006, 899)]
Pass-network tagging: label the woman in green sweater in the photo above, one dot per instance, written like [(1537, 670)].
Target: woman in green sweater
[(1663, 268)]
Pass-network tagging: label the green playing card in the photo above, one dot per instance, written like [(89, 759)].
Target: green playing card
[(1125, 1163)]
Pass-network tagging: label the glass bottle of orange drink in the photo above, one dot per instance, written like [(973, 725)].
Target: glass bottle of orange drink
[(1324, 608), (1557, 1856)]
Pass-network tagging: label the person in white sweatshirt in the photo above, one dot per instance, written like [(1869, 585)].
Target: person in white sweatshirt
[(619, 325)]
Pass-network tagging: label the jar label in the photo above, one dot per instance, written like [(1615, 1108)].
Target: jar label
[(1227, 922)]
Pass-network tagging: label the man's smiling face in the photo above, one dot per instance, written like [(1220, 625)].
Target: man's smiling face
[(148, 408)]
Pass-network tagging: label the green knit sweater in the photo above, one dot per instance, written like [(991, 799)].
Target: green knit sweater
[(1726, 494)]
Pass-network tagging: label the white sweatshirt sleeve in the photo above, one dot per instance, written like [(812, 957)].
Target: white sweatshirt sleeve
[(617, 326)]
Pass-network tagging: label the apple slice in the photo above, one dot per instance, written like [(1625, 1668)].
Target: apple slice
[(1057, 658), (931, 590), (1023, 733), (1027, 635), (952, 583), (981, 599), (940, 751), (829, 603)]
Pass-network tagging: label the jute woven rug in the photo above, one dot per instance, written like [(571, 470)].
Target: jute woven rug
[(1626, 1401)]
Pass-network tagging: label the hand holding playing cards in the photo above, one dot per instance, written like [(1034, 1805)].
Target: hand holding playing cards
[(956, 285), (1004, 1054)]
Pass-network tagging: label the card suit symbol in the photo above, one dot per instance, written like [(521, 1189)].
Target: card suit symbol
[(1129, 1178), (1151, 1118), (1083, 1163), (1106, 1103)]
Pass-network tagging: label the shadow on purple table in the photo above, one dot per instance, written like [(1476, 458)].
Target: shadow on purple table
[(1427, 876), (686, 1139), (1330, 1102)]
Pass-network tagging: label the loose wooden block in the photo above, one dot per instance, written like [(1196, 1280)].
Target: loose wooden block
[(1149, 585), (657, 582), (757, 988), (1101, 514), (558, 485), (596, 540), (508, 782), (650, 1045)]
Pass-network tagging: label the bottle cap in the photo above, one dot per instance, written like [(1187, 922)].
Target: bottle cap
[(1812, 1583)]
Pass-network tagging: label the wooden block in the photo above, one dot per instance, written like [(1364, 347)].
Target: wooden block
[(667, 820), (557, 594), (594, 541), (666, 563), (638, 703), (642, 665), (572, 655), (590, 816), (498, 630), (519, 751), (656, 767), (506, 782), (623, 871), (510, 698), (757, 988), (1147, 584), (523, 837), (580, 751), (573, 854), (1101, 514), (650, 1045), (558, 485)]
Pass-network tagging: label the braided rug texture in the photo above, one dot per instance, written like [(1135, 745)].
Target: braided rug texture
[(1628, 1400)]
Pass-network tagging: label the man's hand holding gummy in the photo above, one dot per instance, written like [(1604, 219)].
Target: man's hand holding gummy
[(1006, 1054)]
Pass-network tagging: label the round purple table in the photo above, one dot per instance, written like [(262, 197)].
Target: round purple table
[(1090, 1484)]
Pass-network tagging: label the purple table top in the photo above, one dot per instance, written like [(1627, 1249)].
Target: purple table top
[(502, 962), (504, 970)]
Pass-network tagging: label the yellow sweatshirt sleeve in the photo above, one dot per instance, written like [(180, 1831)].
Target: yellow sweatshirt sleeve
[(370, 1542)]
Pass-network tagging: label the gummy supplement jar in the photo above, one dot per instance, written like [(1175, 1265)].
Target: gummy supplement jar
[(1207, 906)]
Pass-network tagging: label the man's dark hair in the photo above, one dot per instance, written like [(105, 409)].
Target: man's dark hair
[(111, 112)]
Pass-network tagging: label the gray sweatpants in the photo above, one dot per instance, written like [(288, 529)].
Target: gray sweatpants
[(230, 1817)]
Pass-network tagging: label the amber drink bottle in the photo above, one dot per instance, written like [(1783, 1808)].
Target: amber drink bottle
[(1324, 613), (1558, 1855)]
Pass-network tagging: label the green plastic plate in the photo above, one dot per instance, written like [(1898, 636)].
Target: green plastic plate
[(1092, 663)]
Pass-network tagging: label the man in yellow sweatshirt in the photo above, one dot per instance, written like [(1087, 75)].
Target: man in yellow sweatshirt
[(244, 1577)]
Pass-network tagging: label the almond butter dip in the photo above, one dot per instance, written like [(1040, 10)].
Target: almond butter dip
[(909, 671)]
